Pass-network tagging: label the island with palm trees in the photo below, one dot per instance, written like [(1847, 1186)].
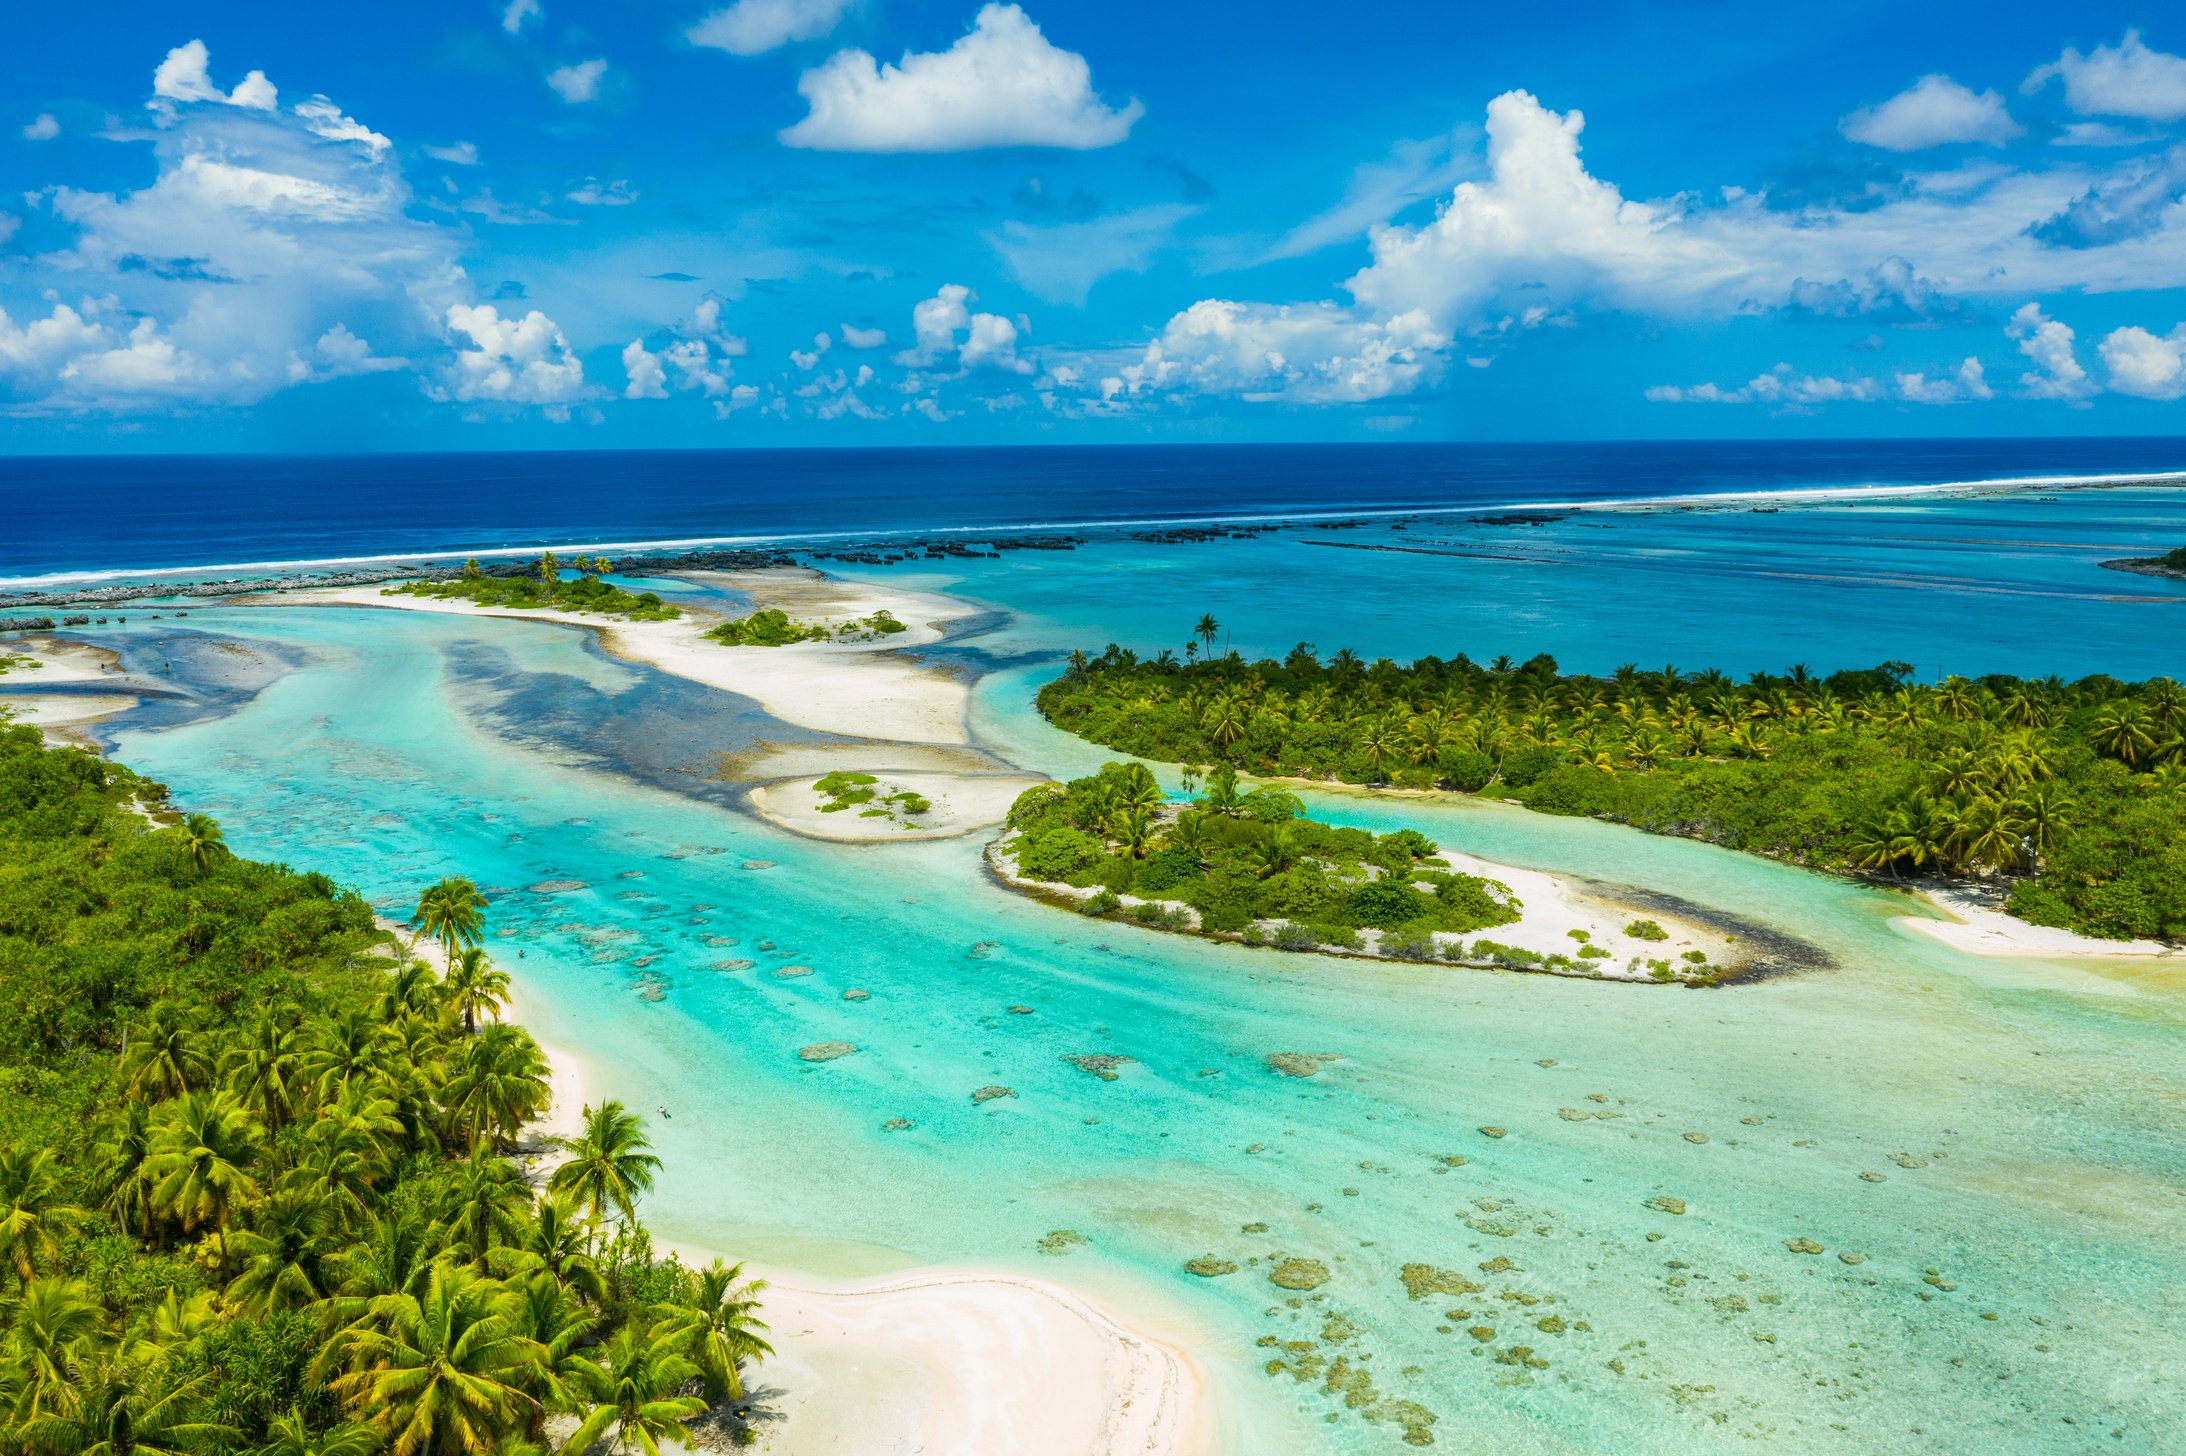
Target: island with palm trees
[(260, 1187), (2068, 798), (1251, 867)]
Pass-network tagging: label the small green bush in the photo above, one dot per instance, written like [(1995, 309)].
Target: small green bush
[(1646, 930)]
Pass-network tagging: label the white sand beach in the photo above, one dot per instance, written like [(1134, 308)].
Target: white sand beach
[(969, 1363), (1978, 927)]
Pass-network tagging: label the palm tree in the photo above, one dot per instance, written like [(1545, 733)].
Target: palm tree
[(203, 843), (1134, 829), (2125, 732), (451, 912), (199, 1161), (1225, 721), (411, 990), (55, 1325), (350, 1051), (721, 1327), (1206, 628), (501, 1085), (485, 1207), (122, 1409), (566, 1369), (439, 1374), (164, 1058), (263, 1072), (1379, 740), (348, 1150), (126, 1143), (283, 1252), (474, 987), (2043, 813), (635, 1396), (292, 1435), (395, 1258), (552, 1249), (31, 1209), (608, 1164)]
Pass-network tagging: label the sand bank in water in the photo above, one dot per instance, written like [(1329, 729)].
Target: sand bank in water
[(961, 804), (854, 689)]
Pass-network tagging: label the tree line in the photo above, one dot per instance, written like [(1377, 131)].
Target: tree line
[(256, 1184), (2071, 793)]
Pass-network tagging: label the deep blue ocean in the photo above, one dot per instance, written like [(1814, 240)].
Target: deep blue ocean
[(70, 514)]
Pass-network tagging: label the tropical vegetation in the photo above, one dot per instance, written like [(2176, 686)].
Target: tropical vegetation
[(1251, 864), (773, 627), (2071, 795), (544, 585), (258, 1185)]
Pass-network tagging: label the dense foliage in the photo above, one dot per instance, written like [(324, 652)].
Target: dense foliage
[(1238, 859), (253, 1187), (545, 586), (2074, 793), (773, 627)]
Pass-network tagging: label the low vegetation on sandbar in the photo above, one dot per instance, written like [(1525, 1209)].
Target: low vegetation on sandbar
[(773, 627), (2071, 795), (846, 789), (544, 586), (256, 1184)]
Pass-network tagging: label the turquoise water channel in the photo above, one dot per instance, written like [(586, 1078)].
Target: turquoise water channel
[(1997, 1142)]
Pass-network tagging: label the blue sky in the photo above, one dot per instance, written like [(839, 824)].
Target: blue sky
[(551, 224)]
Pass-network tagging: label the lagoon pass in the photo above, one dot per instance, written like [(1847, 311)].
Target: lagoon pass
[(1142, 1191)]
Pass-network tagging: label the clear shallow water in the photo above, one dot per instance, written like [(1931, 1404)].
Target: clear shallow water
[(2037, 1104)]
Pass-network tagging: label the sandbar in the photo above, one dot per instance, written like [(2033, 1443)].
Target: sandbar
[(961, 804), (854, 689)]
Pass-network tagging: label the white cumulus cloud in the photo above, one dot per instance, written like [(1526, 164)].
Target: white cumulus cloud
[(2152, 366), (1934, 111), (857, 338), (43, 127), (456, 154), (2127, 79), (517, 12), (511, 360), (1308, 354), (578, 82), (1002, 85), (2048, 346), (753, 27), (989, 340), (184, 76)]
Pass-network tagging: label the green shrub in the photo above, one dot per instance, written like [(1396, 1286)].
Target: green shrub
[(1646, 930), (1467, 770), (1056, 854), (1522, 768)]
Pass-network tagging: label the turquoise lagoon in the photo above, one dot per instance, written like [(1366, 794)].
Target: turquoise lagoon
[(2019, 1121)]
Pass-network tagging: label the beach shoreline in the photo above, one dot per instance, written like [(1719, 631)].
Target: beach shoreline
[(1974, 924), (950, 1360)]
